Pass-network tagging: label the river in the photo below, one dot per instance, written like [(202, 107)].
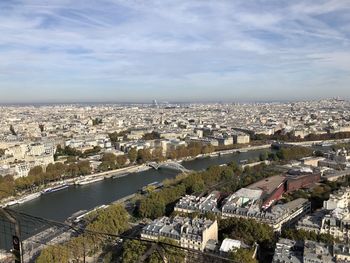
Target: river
[(60, 205)]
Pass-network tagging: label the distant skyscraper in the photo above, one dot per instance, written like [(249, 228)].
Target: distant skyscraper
[(155, 104)]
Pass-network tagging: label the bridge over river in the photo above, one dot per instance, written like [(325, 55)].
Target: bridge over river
[(169, 165)]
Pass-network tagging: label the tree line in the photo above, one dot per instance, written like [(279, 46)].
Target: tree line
[(290, 137), (38, 177), (111, 220)]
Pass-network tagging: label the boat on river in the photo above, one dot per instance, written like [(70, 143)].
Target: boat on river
[(28, 198), (89, 181), (55, 189)]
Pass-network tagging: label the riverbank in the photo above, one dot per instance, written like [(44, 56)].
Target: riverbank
[(319, 142), (28, 196)]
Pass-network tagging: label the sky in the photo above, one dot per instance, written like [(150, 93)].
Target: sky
[(176, 50)]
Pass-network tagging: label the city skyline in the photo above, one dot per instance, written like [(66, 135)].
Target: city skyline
[(186, 51)]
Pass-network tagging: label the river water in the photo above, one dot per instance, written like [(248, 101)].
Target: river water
[(62, 204)]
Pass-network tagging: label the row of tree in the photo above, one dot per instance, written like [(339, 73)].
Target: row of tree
[(112, 220), (289, 137), (293, 153), (110, 161), (146, 155), (307, 235), (37, 177)]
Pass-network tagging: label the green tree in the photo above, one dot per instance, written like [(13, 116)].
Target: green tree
[(295, 234), (53, 254), (242, 255), (247, 230), (263, 156), (133, 250)]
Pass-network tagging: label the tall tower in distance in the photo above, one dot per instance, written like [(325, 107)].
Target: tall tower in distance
[(155, 104)]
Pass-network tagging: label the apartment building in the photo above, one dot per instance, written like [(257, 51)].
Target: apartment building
[(188, 233), (339, 199)]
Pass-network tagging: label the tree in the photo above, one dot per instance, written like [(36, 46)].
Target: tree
[(227, 174), (115, 136), (113, 219), (242, 255), (37, 174), (263, 156), (121, 160), (109, 157), (272, 156), (41, 127), (72, 170), (133, 250), (96, 121), (53, 254), (247, 230), (144, 155), (307, 235), (132, 155), (293, 153), (151, 136), (92, 151), (84, 167), (172, 254), (208, 149), (12, 130), (157, 154)]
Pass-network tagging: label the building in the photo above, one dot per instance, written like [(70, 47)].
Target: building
[(306, 180), (190, 204), (315, 252), (288, 251), (337, 224), (36, 149), (229, 245), (311, 161), (188, 233), (334, 175), (341, 252), (22, 169), (312, 223), (279, 216), (272, 189), (338, 199), (333, 219), (241, 138)]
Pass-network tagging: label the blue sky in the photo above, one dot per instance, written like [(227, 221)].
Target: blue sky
[(176, 50)]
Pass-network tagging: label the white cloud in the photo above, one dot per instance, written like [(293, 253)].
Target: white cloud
[(133, 41)]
